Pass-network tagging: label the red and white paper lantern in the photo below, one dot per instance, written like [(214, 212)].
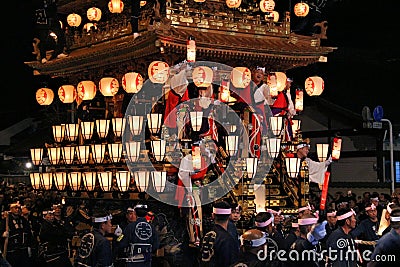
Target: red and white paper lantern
[(233, 3), (67, 93), (158, 72), (301, 9), (267, 5), (74, 20), (93, 14), (132, 82), (202, 76), (44, 96), (108, 86), (240, 77), (116, 6), (314, 86), (86, 90)]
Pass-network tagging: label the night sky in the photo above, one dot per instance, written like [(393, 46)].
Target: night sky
[(367, 59)]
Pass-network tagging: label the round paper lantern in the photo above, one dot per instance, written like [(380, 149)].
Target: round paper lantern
[(93, 14), (86, 90), (44, 96), (74, 20), (233, 3), (272, 15), (199, 1), (143, 3), (132, 82), (240, 77), (67, 93), (116, 6), (108, 86), (202, 76), (301, 9), (267, 5), (158, 72), (89, 26), (314, 86)]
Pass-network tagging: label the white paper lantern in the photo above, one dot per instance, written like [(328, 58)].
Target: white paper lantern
[(116, 6), (86, 90), (233, 3), (108, 86), (301, 9), (74, 20), (267, 5), (314, 86), (158, 72), (44, 96), (240, 77), (67, 93), (132, 82), (202, 76), (93, 14)]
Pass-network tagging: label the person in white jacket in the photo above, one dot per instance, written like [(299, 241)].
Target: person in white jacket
[(316, 169)]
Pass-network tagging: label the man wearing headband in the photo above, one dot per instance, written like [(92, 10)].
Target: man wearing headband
[(120, 254), (316, 170), (306, 244), (340, 243), (233, 219), (389, 209), (388, 246), (379, 207), (253, 250), (95, 249), (218, 247), (367, 230), (330, 226), (264, 221), (141, 238)]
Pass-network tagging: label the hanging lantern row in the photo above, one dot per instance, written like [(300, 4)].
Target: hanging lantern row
[(132, 82), (96, 153), (71, 131), (158, 71), (89, 179)]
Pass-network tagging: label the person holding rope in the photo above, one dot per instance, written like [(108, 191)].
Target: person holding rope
[(340, 244)]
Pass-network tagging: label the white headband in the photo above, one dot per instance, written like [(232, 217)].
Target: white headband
[(395, 219), (140, 206), (222, 211), (263, 224), (130, 209), (372, 207), (307, 221), (255, 242), (302, 145), (295, 225), (102, 219), (308, 207), (274, 212), (346, 215)]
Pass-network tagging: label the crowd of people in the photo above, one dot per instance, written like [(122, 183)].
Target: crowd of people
[(349, 233), (339, 236)]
